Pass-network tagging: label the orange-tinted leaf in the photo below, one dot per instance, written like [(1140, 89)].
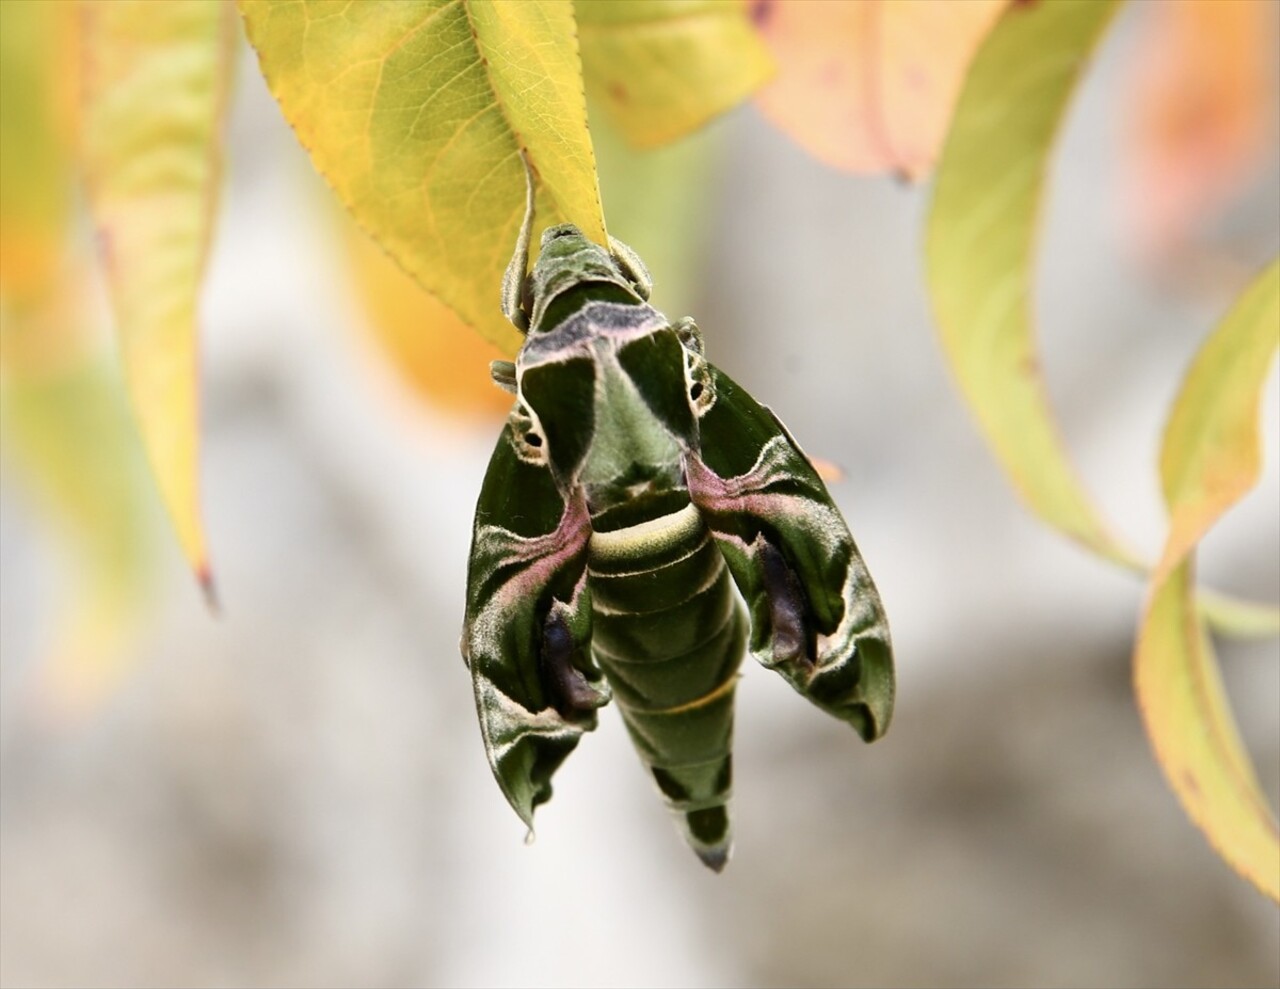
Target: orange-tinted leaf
[(437, 354), (155, 82), (1203, 112), (1211, 456), (869, 85)]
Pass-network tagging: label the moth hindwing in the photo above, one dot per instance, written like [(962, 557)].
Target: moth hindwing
[(633, 485)]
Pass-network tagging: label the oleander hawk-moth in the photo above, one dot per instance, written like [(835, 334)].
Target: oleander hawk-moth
[(633, 479)]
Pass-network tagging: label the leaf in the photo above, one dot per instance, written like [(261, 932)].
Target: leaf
[(67, 432), (432, 350), (663, 68), (1211, 457), (155, 78), (981, 248), (1212, 454), (416, 113), (1201, 115), (868, 85), (1241, 619), (36, 114)]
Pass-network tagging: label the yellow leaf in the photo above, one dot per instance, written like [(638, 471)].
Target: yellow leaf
[(1210, 458), (1202, 114), (868, 85), (155, 82), (981, 248), (416, 113), (432, 349), (663, 68)]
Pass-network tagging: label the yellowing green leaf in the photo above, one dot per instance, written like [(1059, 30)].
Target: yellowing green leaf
[(1211, 457), (1212, 452), (981, 247), (69, 435), (1241, 619), (416, 113), (155, 82), (663, 68), (868, 85), (66, 436), (36, 100)]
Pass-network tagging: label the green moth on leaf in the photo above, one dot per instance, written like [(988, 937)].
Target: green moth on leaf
[(634, 479)]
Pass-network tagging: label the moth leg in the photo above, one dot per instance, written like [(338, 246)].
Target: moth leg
[(503, 374), (632, 267), (513, 280), (573, 696)]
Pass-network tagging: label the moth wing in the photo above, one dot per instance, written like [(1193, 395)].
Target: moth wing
[(816, 616), (527, 632)]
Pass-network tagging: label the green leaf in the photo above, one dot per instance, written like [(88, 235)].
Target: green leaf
[(1211, 457), (416, 112), (663, 68), (981, 248), (155, 85)]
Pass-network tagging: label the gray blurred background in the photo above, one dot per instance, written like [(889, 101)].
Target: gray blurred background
[(296, 794)]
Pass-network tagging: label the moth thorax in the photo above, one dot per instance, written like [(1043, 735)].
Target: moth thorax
[(632, 454)]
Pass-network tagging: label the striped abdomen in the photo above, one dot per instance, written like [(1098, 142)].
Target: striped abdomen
[(669, 635)]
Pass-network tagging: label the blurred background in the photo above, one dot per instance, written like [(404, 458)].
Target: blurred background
[(295, 792)]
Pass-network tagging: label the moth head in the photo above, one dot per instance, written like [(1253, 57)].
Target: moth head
[(570, 265)]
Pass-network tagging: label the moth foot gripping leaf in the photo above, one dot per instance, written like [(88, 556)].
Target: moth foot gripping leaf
[(634, 485)]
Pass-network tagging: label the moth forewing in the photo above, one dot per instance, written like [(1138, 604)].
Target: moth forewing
[(527, 632), (816, 616)]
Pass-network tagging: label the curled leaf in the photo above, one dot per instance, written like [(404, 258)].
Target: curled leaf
[(155, 84), (416, 113), (1210, 458), (981, 248), (869, 85), (663, 68)]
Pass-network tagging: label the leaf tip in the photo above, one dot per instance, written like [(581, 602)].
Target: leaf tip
[(209, 590)]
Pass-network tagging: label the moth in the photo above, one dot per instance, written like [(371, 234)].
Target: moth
[(633, 485)]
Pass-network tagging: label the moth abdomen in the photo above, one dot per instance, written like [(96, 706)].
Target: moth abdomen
[(669, 635)]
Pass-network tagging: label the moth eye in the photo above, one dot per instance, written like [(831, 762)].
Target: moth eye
[(696, 391), (525, 437)]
